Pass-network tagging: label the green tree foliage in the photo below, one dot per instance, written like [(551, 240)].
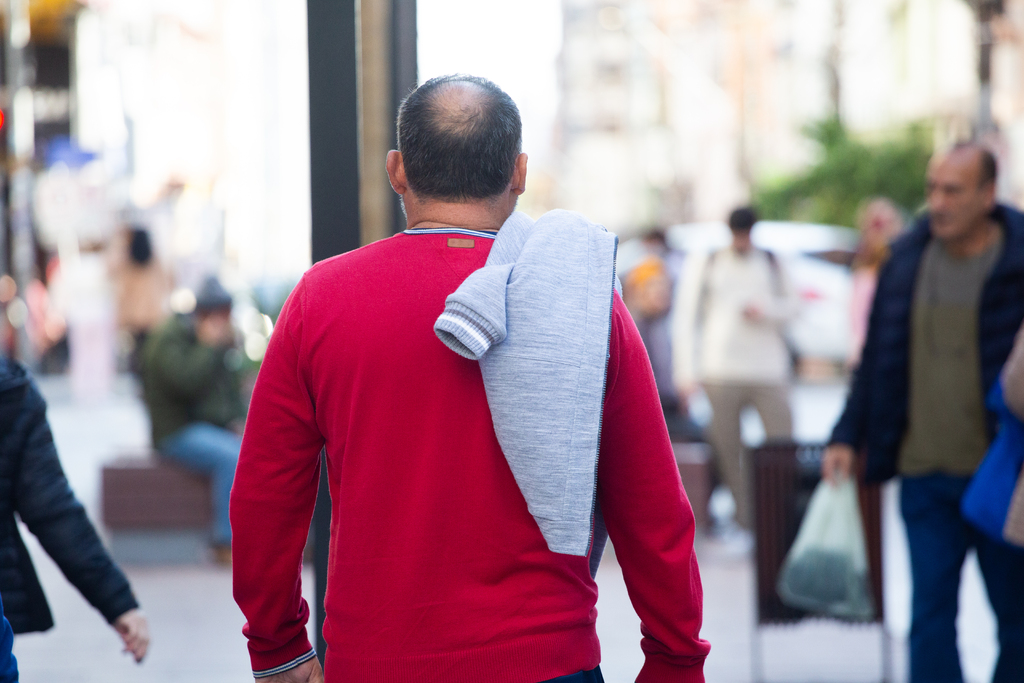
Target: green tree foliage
[(849, 171)]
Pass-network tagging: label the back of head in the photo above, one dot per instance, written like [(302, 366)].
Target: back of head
[(742, 219), (140, 247), (459, 137), (656, 238)]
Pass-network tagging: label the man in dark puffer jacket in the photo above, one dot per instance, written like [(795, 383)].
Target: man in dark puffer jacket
[(949, 302), (32, 484)]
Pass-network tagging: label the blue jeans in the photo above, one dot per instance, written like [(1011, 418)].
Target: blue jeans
[(592, 676), (939, 539), (210, 450)]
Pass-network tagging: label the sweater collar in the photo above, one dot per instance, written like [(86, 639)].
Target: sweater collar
[(451, 231)]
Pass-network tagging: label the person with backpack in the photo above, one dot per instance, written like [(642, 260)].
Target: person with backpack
[(728, 337)]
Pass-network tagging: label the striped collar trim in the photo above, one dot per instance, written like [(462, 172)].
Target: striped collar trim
[(450, 231)]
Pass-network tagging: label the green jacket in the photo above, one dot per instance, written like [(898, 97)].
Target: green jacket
[(184, 381)]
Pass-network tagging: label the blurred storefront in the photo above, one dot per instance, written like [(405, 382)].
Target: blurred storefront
[(188, 118)]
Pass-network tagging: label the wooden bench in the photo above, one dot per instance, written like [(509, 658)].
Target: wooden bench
[(694, 461), (156, 512)]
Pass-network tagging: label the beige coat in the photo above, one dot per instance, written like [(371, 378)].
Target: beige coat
[(142, 292), (1013, 377), (1013, 394)]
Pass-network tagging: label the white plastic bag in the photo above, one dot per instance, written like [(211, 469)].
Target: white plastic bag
[(826, 570)]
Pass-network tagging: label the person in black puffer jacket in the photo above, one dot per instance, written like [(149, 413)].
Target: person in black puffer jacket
[(33, 485), (949, 302)]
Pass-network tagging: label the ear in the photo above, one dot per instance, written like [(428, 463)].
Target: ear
[(396, 172), (990, 194), (519, 176)]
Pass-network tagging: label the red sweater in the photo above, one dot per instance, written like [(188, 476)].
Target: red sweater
[(437, 571)]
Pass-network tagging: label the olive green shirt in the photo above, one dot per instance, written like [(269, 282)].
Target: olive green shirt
[(946, 430)]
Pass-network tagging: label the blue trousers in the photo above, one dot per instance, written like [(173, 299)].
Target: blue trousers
[(592, 676), (939, 539), (210, 450)]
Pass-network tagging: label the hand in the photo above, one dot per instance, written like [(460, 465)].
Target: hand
[(686, 391), (837, 463), (214, 330), (237, 426), (134, 631), (307, 672), (753, 313)]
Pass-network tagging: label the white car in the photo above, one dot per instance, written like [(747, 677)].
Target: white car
[(816, 258)]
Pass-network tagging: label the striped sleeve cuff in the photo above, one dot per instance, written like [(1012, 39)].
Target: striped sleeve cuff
[(466, 332), (286, 666)]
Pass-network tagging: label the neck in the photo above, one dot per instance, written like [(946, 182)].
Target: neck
[(473, 215), (974, 242)]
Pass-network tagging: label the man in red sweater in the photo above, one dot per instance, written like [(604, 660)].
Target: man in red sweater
[(438, 573)]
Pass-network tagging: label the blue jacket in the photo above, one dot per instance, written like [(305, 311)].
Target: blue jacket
[(32, 484), (8, 663), (875, 417)]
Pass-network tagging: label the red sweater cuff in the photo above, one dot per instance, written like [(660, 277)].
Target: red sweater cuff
[(285, 657), (657, 670)]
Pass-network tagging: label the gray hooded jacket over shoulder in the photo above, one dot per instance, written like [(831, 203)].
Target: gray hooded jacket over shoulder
[(537, 317)]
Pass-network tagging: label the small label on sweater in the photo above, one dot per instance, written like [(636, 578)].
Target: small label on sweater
[(461, 243)]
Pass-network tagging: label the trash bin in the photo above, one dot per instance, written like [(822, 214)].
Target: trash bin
[(784, 477)]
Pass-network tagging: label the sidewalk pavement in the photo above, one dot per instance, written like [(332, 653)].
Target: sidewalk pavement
[(196, 626)]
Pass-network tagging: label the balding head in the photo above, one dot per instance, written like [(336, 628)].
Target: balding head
[(459, 137), (974, 156), (961, 192), (457, 107)]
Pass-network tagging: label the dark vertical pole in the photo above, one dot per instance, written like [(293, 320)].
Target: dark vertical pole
[(404, 74), (333, 126), (334, 185)]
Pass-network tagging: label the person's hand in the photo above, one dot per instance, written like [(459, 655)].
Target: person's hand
[(837, 463), (307, 672), (214, 329), (237, 426), (753, 313), (134, 631), (686, 391)]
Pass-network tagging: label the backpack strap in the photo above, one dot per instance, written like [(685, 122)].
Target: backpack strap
[(702, 298), (773, 265)]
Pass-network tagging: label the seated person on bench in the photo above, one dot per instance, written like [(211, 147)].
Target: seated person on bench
[(191, 383)]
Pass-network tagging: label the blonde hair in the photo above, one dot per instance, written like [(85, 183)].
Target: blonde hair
[(879, 221)]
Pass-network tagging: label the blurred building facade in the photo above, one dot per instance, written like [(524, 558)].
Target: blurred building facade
[(209, 100), (1008, 95), (188, 117), (671, 109)]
